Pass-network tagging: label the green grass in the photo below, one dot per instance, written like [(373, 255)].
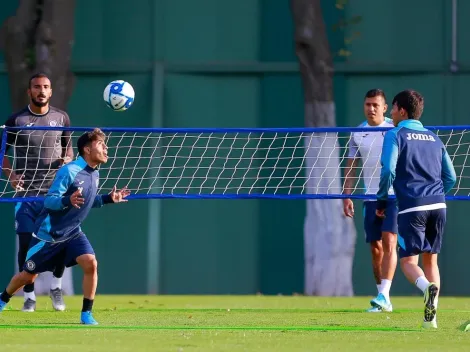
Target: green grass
[(234, 323)]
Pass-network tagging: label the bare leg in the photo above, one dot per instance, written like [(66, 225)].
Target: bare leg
[(19, 280), (90, 275), (377, 255), (389, 260)]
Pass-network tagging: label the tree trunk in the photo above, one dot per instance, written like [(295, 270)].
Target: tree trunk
[(329, 237), (39, 38)]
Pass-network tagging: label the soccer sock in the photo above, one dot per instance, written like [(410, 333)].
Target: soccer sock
[(87, 305), (56, 283), (29, 295), (5, 297), (58, 271), (28, 288), (422, 283), (385, 288), (379, 286)]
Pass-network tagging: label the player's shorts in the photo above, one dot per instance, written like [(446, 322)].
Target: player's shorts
[(26, 214), (45, 256), (421, 232), (374, 226)]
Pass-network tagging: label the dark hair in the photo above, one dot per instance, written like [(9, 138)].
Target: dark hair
[(411, 101), (375, 93), (87, 138), (38, 75)]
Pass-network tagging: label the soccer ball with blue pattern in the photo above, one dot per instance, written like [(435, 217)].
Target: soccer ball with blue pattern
[(119, 95)]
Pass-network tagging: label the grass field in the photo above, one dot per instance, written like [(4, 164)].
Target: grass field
[(234, 323)]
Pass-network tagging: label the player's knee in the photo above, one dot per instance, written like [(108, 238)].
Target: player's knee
[(89, 263), (27, 278), (376, 247), (429, 259)]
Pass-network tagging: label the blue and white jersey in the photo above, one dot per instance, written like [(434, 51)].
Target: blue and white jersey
[(368, 147), (59, 219), (415, 161)]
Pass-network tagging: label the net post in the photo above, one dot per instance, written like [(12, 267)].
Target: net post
[(154, 208), (3, 146)]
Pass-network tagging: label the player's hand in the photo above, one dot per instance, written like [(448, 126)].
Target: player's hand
[(66, 160), (119, 196), (380, 213), (348, 207), (76, 199), (17, 181)]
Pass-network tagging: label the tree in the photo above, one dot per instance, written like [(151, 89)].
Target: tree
[(329, 237), (39, 38)]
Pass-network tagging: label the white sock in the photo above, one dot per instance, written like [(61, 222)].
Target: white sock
[(422, 283), (378, 287), (29, 295), (56, 282), (385, 288)]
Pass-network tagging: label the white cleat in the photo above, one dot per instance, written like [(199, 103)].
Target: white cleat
[(430, 324), (57, 299), (29, 306)]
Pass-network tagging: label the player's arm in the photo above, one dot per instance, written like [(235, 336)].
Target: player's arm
[(448, 172), (114, 196), (16, 180), (55, 199), (388, 162), (350, 176), (349, 182), (66, 142)]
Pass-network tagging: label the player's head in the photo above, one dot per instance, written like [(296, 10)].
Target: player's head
[(408, 104), (92, 147), (375, 106), (39, 90)]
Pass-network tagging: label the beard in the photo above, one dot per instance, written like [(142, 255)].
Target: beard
[(38, 103)]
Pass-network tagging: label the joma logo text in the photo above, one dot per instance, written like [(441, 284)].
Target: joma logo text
[(420, 137)]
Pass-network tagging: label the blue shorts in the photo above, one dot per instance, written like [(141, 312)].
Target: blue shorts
[(26, 214), (421, 232), (45, 256), (374, 226)]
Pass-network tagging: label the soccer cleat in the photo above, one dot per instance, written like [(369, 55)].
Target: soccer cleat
[(430, 324), (57, 299), (29, 306), (2, 305), (87, 319), (374, 310), (430, 295), (382, 302)]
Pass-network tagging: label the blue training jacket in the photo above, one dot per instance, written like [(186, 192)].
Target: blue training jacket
[(415, 161), (59, 219)]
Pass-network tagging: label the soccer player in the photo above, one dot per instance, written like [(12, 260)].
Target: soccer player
[(38, 155), (58, 238), (379, 233), (415, 161)]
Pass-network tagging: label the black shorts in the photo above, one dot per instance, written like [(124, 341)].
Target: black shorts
[(421, 232), (45, 256)]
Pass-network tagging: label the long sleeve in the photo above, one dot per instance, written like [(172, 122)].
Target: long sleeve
[(388, 162), (55, 199), (448, 172), (102, 199)]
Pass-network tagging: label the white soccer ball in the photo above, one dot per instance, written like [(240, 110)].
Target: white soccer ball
[(119, 95)]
